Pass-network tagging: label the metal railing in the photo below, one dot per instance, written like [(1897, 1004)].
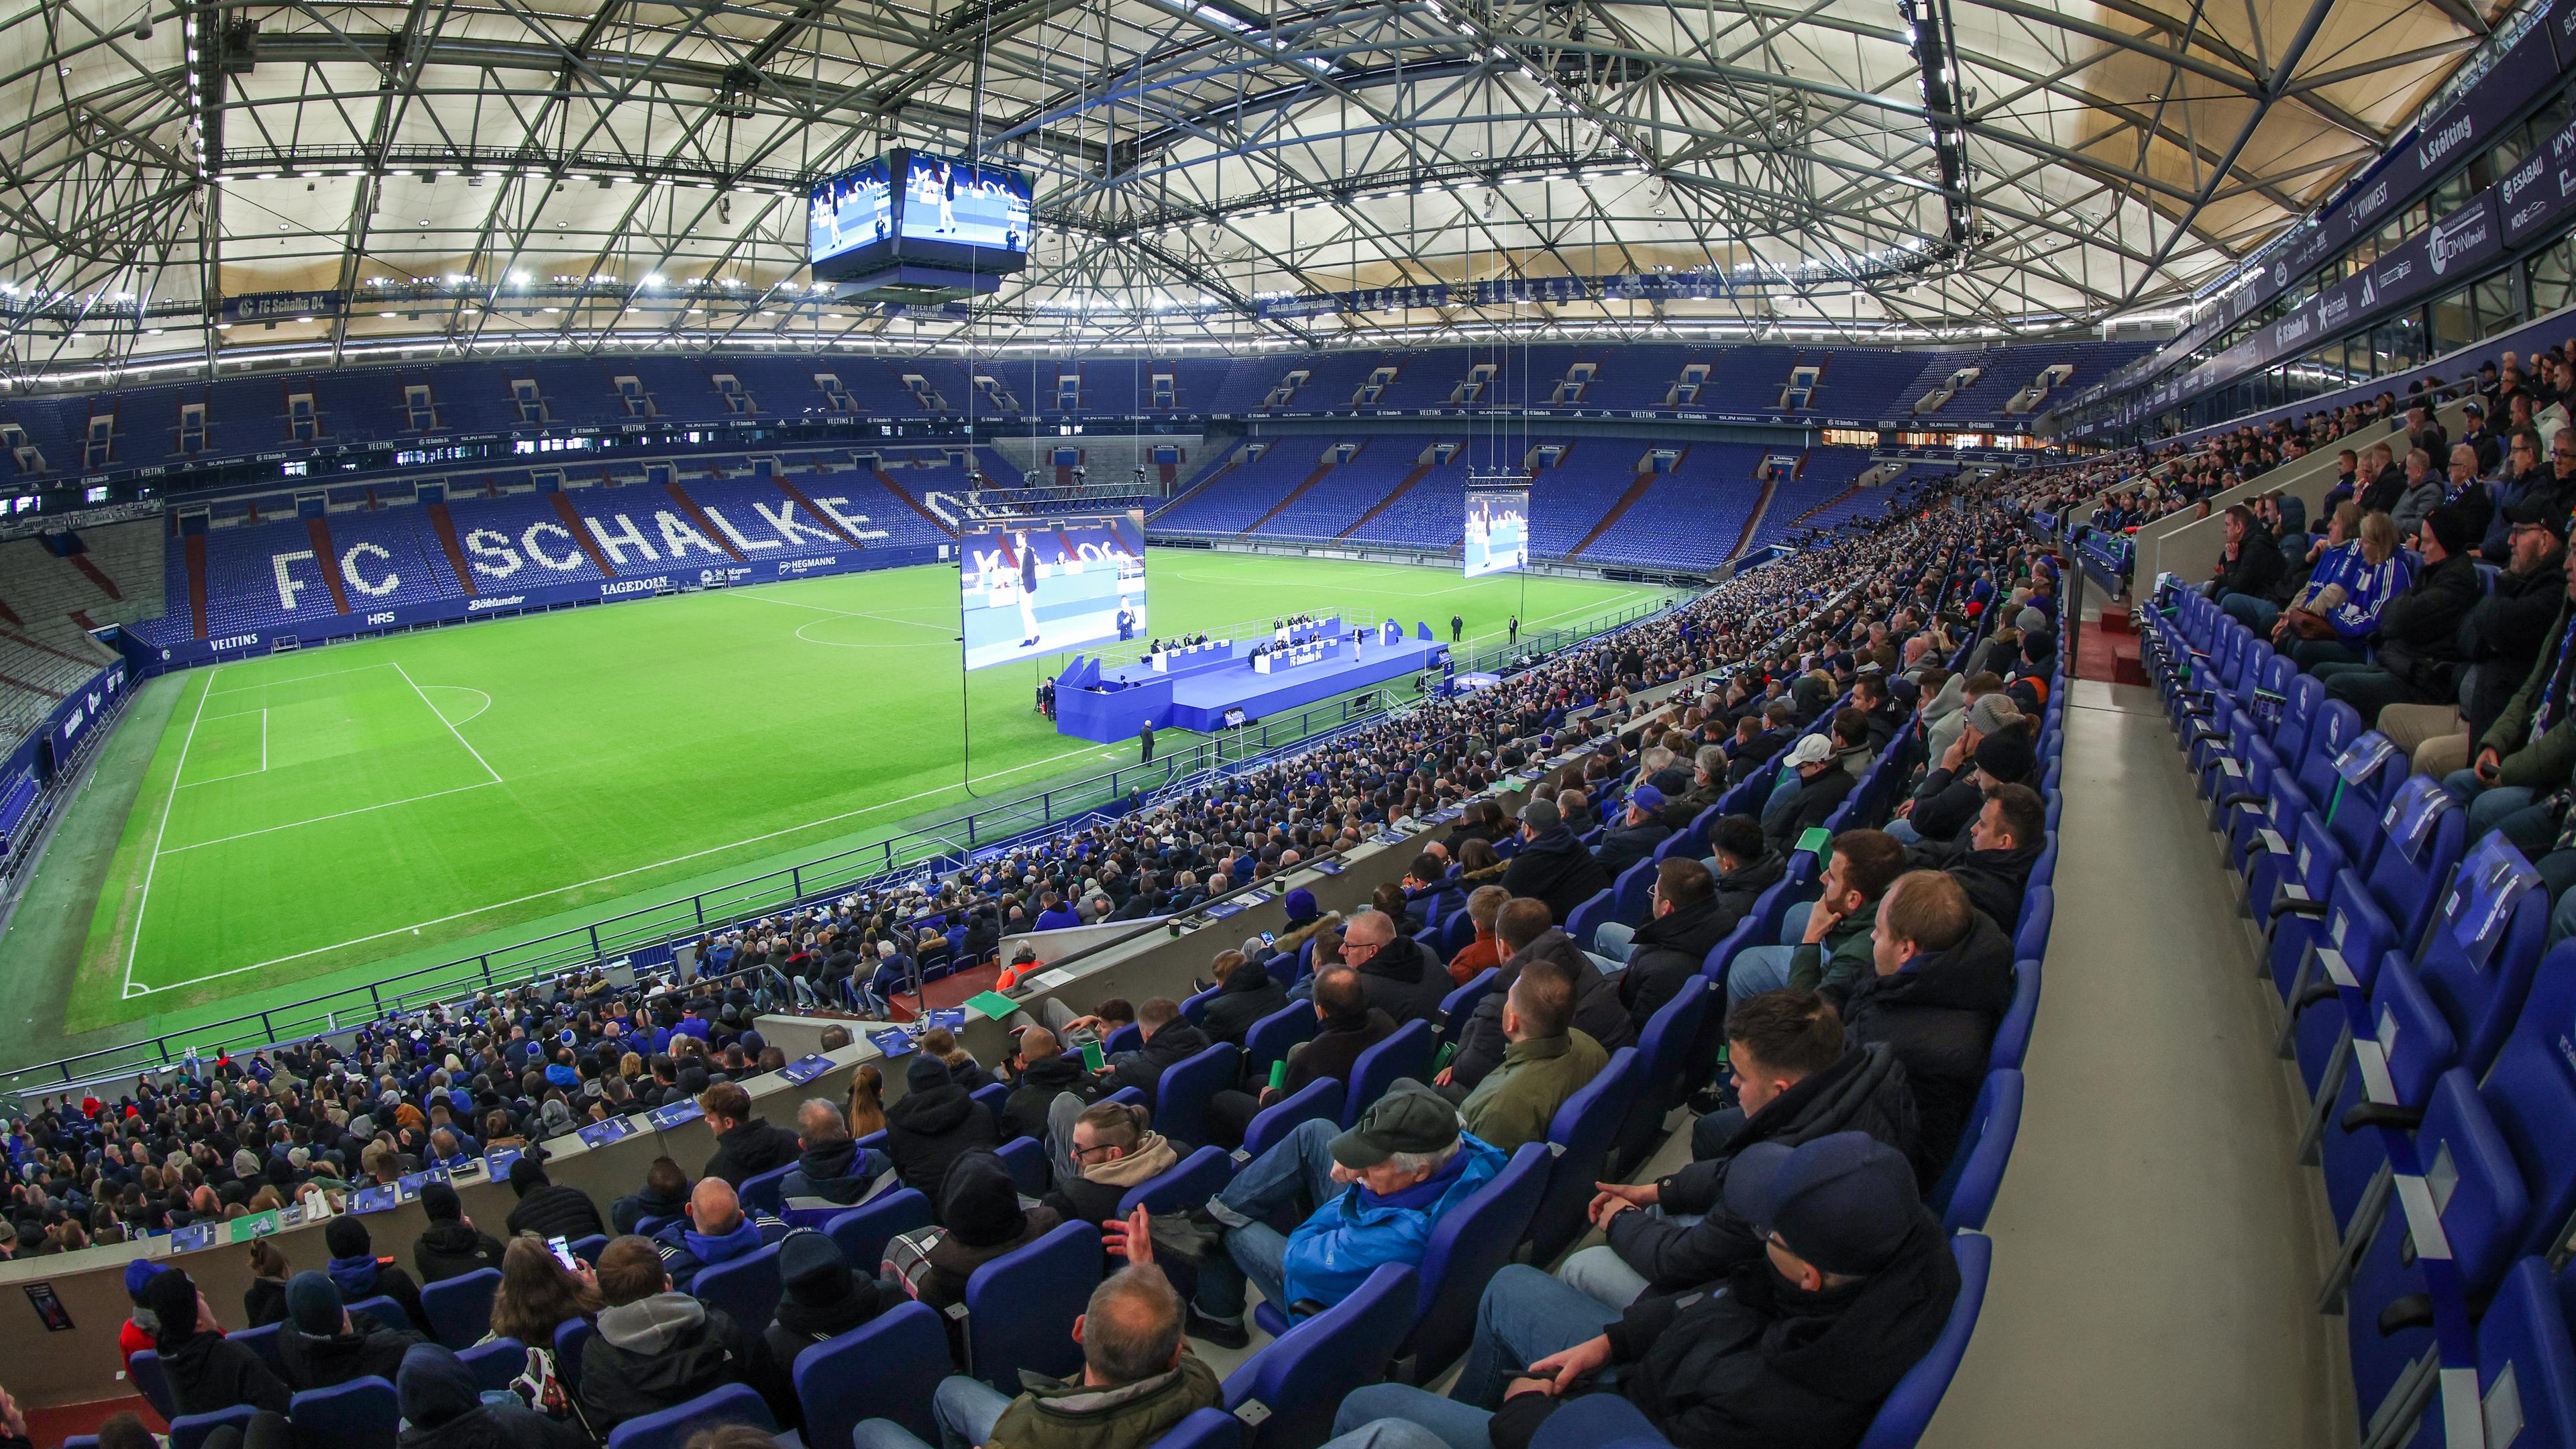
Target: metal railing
[(645, 936)]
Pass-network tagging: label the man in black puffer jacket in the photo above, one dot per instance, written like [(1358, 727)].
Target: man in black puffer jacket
[(1525, 934), (933, 1124), (746, 1146), (1551, 865), (1796, 1080), (1992, 861), (1944, 979), (1397, 975), (322, 1344), (1745, 863), (1666, 952), (1247, 994), (547, 1208), (451, 1246), (1797, 1351), (832, 1167), (1169, 1041), (1040, 1073)]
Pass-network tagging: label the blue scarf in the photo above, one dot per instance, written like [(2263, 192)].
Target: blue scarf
[(744, 1239), (356, 1276), (2367, 589)]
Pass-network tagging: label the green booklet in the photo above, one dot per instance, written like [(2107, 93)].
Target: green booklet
[(1815, 840), (993, 1004)]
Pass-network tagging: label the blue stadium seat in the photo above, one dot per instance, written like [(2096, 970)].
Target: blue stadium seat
[(1584, 1128), (885, 1368), (1467, 1248), (1909, 1409), (1588, 917), (995, 1096), (863, 1232), (766, 1191), (1407, 1053), (153, 1383), (389, 1313), (1127, 1038), (2038, 910), (1299, 1378), (672, 1427), (1664, 1051), (2012, 1034), (2525, 1364), (1966, 1192), (571, 1337), (189, 1431), (1027, 1159), (1021, 1306), (460, 1308), (588, 1249), (261, 1340), (494, 1364), (1273, 1036), (1461, 1002), (1630, 901), (1181, 1096), (1203, 1429), (1320, 1099), (746, 1287), (1184, 1185), (360, 1414)]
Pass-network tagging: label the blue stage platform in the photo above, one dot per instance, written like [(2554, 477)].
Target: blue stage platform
[(1110, 705)]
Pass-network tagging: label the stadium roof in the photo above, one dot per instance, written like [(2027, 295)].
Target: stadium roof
[(481, 172)]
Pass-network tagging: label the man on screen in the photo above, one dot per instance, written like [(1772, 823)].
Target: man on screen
[(1028, 588)]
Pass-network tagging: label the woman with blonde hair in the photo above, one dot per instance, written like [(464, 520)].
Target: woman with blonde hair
[(2339, 616)]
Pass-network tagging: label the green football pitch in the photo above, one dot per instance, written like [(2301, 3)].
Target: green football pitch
[(353, 812)]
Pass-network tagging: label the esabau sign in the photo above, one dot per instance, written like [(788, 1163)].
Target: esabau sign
[(910, 206)]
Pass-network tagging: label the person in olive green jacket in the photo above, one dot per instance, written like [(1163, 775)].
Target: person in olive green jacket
[(1546, 1060), (1833, 951), (1139, 1378), (2530, 751)]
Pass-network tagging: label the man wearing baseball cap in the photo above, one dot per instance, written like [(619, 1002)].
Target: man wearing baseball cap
[(1822, 782), (1797, 1352), (1378, 1190), (1640, 829)]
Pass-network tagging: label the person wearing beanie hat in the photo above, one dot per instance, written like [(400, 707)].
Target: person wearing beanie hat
[(2419, 630), (442, 1408), (980, 1219), (819, 1297), (1995, 749), (322, 1343), (361, 1274), (932, 1124), (135, 1335), (1305, 918), (206, 1370), (451, 1246), (1801, 1346), (547, 1208)]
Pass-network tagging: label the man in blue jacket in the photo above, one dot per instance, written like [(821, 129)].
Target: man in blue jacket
[(1405, 1165)]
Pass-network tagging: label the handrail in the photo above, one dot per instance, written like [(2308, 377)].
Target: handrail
[(650, 930)]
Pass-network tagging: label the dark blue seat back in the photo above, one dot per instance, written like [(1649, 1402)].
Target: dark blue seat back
[(2422, 833), (1664, 1050), (1407, 1053), (1461, 1002), (1021, 1306), (460, 1308), (360, 1414), (1272, 1036), (1181, 1097), (671, 1428), (1184, 1185), (2012, 1034), (189, 1431), (1128, 1038), (571, 1337), (1027, 1160), (261, 1341), (2485, 943), (746, 1287), (885, 1368), (1301, 1376), (1320, 1099), (2038, 912), (1584, 1127), (495, 1363), (1587, 917), (1203, 1429), (767, 1191), (1908, 1411), (863, 1232), (389, 1313), (1467, 1248), (1629, 901), (2530, 1095), (1966, 1191)]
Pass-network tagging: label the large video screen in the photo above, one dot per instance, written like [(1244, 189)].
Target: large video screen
[(1497, 531), (949, 203), (1045, 589), (850, 211)]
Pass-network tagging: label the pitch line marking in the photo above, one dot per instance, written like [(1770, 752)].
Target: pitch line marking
[(465, 689), (442, 719), (850, 614), (334, 815), (132, 990), (300, 678), (134, 943), (239, 774)]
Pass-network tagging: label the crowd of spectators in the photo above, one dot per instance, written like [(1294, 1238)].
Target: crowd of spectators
[(1890, 1004)]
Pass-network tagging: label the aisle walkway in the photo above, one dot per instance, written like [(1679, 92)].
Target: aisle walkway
[(2156, 1251)]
